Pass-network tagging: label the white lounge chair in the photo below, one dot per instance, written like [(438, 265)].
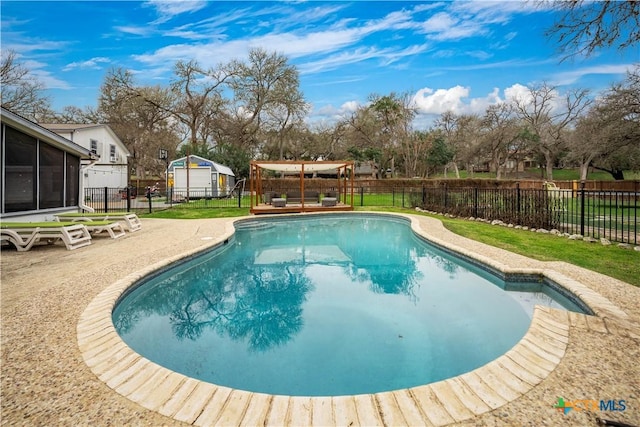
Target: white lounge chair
[(22, 242), (129, 218), (23, 235), (114, 228)]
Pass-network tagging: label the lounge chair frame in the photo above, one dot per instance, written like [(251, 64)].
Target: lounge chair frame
[(23, 235), (130, 219)]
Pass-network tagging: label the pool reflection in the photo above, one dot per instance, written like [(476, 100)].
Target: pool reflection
[(257, 295)]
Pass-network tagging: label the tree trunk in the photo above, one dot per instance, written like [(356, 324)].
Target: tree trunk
[(457, 171), (584, 167), (584, 171), (617, 174), (549, 166)]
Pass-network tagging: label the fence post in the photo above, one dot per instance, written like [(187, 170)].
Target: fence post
[(475, 201), (518, 210), (148, 193), (239, 198), (446, 198), (402, 196), (128, 199), (424, 195), (582, 208), (361, 196), (106, 199), (393, 196)]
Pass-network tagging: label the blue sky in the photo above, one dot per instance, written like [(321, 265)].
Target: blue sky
[(448, 55)]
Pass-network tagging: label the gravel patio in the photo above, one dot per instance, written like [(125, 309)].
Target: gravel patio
[(45, 380)]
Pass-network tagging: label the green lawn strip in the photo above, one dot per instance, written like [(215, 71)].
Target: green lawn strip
[(535, 173), (623, 264), (197, 213)]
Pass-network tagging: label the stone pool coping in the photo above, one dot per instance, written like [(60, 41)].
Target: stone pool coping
[(454, 400)]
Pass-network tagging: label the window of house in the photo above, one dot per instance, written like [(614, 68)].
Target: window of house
[(21, 157), (94, 147), (51, 170), (36, 174), (112, 151), (72, 179)]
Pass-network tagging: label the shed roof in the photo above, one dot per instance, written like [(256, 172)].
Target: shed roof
[(201, 161)]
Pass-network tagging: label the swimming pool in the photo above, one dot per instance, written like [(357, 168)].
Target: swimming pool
[(327, 305)]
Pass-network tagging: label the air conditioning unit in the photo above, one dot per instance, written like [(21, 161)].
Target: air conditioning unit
[(113, 159)]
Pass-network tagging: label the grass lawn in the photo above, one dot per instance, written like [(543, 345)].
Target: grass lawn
[(558, 175), (622, 264), (179, 212)]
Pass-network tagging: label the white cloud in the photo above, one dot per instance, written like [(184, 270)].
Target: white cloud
[(93, 64), (479, 105), (441, 21), (167, 9), (322, 43), (329, 111), (571, 77), (350, 106), (429, 101), (135, 30), (518, 92)]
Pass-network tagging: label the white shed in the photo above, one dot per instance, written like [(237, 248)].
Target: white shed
[(204, 178)]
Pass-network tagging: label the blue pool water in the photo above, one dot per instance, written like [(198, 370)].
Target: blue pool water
[(326, 305)]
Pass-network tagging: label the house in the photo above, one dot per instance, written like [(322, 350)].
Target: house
[(42, 171), (111, 168)]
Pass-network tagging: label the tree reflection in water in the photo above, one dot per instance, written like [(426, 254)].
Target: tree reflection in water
[(259, 304), (255, 293)]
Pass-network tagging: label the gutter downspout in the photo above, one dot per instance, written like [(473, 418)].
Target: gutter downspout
[(84, 167)]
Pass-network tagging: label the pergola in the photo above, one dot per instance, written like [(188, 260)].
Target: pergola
[(344, 171)]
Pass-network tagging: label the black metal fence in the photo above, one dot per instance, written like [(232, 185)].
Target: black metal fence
[(596, 213), (106, 199), (612, 215)]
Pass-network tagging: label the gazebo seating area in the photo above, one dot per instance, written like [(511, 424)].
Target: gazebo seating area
[(337, 175), (308, 196), (277, 200)]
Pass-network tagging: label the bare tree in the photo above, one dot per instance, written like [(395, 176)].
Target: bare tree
[(135, 116), (548, 114), (363, 145), (500, 131), (264, 85), (197, 97), (413, 150), (395, 113), (586, 26), (22, 92), (285, 116), (329, 141), (608, 137), (460, 133), (504, 138)]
